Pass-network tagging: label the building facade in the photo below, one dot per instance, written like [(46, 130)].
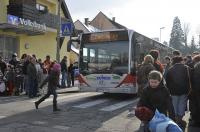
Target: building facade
[(30, 26)]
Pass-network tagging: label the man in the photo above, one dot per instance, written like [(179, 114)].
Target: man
[(14, 60), (63, 64), (177, 80), (53, 81), (32, 78)]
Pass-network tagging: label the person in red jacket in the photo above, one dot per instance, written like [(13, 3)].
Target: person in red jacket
[(53, 81)]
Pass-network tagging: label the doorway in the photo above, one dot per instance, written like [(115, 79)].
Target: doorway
[(8, 46)]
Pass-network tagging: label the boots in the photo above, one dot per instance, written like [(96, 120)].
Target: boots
[(36, 105), (55, 108)]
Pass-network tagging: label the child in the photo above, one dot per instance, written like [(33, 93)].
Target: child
[(53, 82), (157, 122), (156, 95)]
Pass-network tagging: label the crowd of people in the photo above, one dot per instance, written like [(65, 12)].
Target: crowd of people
[(25, 75), (168, 88)]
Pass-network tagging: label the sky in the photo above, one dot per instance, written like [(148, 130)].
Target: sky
[(143, 16)]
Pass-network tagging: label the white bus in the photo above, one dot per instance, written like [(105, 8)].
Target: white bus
[(108, 60)]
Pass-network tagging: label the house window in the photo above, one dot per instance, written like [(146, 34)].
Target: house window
[(41, 8)]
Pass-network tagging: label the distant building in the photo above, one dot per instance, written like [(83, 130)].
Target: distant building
[(156, 39), (99, 23), (102, 22), (85, 27)]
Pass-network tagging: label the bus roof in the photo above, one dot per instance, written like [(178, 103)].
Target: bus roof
[(112, 30)]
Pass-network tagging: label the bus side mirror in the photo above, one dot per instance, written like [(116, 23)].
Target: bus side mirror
[(70, 42)]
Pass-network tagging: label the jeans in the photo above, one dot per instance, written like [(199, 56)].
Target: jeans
[(32, 87), (64, 77), (179, 103), (49, 92)]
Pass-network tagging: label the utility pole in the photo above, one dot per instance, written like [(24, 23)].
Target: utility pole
[(58, 33)]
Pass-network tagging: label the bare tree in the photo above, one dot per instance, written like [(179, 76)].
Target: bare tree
[(186, 30)]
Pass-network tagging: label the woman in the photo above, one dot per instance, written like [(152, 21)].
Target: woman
[(143, 71)]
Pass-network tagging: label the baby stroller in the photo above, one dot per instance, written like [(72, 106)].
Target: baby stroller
[(2, 85)]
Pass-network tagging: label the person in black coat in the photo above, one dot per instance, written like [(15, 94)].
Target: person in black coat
[(177, 80), (71, 75), (156, 96), (194, 97), (63, 64)]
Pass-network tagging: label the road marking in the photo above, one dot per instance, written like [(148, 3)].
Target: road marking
[(12, 97), (1, 117), (91, 103), (61, 127), (119, 105), (62, 97), (39, 123)]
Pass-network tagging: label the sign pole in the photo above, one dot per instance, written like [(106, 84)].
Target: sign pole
[(58, 34)]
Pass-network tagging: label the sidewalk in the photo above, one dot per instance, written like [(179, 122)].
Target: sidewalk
[(66, 90)]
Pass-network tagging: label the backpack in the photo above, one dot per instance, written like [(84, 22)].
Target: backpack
[(161, 123)]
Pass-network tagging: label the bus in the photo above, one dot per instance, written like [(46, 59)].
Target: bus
[(108, 60)]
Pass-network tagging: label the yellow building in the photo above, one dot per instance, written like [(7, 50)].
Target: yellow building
[(30, 26)]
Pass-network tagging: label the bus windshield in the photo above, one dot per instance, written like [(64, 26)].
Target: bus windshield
[(109, 57)]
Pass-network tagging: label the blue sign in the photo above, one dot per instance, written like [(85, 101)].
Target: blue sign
[(67, 29), (14, 20)]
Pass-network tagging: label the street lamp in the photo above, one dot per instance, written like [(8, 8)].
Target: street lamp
[(160, 33)]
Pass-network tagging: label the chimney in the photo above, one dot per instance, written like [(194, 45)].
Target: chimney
[(113, 19), (86, 21)]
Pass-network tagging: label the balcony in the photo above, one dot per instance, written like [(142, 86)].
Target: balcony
[(30, 12), (50, 20)]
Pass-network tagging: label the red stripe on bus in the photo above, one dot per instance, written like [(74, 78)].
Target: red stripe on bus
[(128, 79), (82, 80)]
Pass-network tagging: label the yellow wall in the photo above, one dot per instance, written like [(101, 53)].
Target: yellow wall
[(52, 5), (41, 45), (3, 10)]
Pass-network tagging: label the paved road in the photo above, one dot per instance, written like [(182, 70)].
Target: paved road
[(81, 112)]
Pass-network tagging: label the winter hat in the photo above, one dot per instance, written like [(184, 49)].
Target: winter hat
[(56, 67), (143, 113)]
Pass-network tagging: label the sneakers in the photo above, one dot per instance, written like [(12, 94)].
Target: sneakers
[(36, 105)]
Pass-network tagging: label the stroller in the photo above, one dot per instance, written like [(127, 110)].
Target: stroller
[(2, 85)]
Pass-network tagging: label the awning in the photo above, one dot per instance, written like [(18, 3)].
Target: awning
[(6, 27)]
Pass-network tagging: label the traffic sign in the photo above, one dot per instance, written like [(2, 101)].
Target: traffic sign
[(66, 29)]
